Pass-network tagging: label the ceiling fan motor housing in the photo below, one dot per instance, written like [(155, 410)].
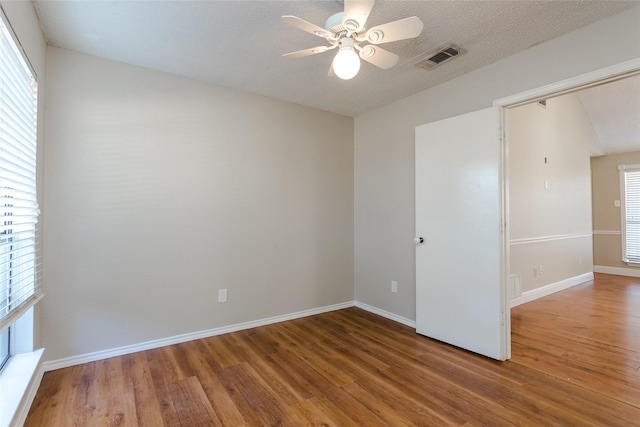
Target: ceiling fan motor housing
[(335, 26)]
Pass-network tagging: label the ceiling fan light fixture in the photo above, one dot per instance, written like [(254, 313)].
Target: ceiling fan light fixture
[(348, 32), (346, 64)]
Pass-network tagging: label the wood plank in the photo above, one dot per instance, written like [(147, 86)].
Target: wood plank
[(136, 369), (83, 397), (54, 392), (115, 397), (311, 412), (199, 359), (191, 404), (257, 402), (163, 373)]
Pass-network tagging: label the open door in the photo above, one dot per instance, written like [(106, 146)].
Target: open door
[(459, 289)]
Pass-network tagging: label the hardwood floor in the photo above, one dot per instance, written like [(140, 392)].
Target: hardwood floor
[(588, 335), (576, 362)]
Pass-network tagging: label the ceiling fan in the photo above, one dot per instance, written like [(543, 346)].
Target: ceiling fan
[(348, 32)]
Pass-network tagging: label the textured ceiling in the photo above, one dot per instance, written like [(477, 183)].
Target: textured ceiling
[(239, 44)]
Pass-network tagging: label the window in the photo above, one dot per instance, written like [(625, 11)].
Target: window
[(19, 289), (4, 347), (630, 212)]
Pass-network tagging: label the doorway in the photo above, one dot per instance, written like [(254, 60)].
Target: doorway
[(501, 314), (513, 281), (555, 205)]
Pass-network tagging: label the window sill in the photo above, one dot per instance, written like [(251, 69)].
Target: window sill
[(14, 383)]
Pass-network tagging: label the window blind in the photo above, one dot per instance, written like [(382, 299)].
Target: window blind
[(631, 214), (19, 289)]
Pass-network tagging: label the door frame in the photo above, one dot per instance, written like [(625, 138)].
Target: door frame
[(573, 84)]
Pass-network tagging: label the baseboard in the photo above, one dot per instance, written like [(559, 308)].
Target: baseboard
[(550, 289), (617, 271), (149, 345), (388, 315)]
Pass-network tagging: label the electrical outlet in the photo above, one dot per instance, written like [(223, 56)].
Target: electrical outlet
[(535, 271), (222, 295), (394, 286), (540, 270), (580, 260)]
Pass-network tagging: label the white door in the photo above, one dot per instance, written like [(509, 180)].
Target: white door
[(459, 291)]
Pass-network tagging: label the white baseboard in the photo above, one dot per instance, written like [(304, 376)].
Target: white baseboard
[(618, 271), (148, 345), (388, 315), (550, 289)]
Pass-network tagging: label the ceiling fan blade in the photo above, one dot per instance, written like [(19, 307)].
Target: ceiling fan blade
[(307, 52), (379, 57), (356, 13), (406, 28), (303, 25)]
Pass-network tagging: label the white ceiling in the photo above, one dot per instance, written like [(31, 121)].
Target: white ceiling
[(614, 111), (239, 43)]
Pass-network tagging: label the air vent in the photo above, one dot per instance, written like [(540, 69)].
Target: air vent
[(436, 58)]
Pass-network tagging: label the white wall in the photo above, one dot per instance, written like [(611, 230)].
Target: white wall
[(24, 22), (161, 190), (384, 146), (550, 226)]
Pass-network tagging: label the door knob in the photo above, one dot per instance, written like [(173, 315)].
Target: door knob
[(418, 240)]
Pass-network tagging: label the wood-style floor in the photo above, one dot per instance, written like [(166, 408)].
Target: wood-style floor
[(576, 362)]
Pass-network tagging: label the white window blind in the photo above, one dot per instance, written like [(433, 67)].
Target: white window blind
[(630, 188), (19, 288)]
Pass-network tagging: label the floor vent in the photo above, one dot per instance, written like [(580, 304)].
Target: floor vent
[(436, 58), (515, 288)]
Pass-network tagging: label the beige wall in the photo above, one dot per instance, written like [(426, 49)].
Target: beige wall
[(130, 151), (384, 146), (24, 21), (550, 228), (607, 244), (162, 190)]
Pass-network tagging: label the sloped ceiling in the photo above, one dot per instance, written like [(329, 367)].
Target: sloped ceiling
[(614, 111), (239, 44)]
